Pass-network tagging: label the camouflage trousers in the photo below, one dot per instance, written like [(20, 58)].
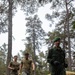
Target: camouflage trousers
[(25, 72), (14, 73)]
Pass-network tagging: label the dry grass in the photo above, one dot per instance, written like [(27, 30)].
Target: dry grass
[(68, 73)]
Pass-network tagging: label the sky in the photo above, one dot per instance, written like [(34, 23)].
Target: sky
[(19, 28)]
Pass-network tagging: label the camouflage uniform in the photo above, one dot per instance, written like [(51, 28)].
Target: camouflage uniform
[(14, 65), (26, 69), (56, 60)]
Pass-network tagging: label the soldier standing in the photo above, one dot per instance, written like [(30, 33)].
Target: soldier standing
[(56, 59), (14, 66), (27, 65)]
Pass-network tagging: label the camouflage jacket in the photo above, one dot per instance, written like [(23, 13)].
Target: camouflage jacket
[(56, 54)]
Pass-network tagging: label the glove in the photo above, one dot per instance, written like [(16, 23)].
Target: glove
[(56, 63), (66, 65), (52, 62)]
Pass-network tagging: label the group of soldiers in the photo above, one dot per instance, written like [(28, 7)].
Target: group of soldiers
[(26, 67), (55, 58)]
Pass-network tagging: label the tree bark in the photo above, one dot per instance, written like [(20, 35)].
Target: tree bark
[(34, 49), (68, 34), (9, 35)]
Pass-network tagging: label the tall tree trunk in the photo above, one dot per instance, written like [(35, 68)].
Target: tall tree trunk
[(68, 34), (34, 49), (9, 35), (64, 35)]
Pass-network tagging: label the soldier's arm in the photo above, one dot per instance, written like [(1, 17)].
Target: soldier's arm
[(49, 56), (33, 66), (21, 65), (10, 66)]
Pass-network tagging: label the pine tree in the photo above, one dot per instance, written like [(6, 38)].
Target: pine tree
[(36, 34)]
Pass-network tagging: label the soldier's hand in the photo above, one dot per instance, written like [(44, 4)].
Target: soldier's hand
[(12, 68), (52, 62), (17, 68), (66, 65), (56, 63)]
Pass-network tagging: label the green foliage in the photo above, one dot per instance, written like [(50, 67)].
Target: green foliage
[(3, 54), (58, 18), (73, 23), (2, 68), (35, 31), (41, 64), (29, 6), (3, 17)]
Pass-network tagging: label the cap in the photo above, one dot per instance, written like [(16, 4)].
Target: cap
[(57, 39)]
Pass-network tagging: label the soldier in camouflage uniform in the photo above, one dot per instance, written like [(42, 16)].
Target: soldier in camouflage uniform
[(56, 59), (14, 66), (27, 65)]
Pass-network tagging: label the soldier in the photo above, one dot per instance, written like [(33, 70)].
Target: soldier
[(56, 59), (27, 65), (14, 66)]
